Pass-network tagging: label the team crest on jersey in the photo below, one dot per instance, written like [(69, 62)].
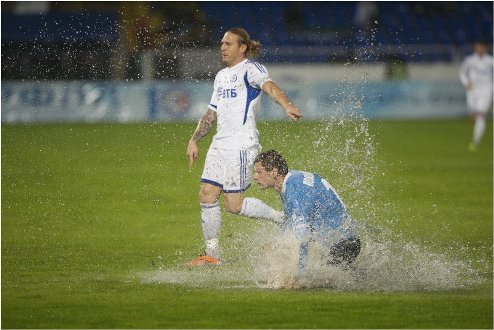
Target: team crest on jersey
[(233, 78)]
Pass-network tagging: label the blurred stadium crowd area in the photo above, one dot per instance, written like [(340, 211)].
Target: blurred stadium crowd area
[(112, 40)]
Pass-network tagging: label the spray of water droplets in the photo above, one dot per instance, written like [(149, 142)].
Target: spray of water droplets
[(342, 149), (267, 258), (384, 264), (264, 257)]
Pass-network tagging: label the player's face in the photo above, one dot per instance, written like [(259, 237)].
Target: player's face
[(232, 52), (480, 48), (264, 178)]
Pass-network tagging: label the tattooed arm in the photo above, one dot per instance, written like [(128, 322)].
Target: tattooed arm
[(202, 130)]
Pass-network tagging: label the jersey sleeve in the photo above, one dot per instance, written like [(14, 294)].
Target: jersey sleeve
[(464, 72), (213, 104), (298, 211), (257, 75)]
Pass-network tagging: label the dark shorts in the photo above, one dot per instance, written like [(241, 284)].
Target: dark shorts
[(345, 251)]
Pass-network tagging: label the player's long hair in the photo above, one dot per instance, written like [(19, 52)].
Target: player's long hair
[(272, 159), (253, 46)]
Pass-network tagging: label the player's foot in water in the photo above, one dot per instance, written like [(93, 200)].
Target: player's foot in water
[(472, 147), (204, 260)]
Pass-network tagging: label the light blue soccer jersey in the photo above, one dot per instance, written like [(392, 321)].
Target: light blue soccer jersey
[(313, 210)]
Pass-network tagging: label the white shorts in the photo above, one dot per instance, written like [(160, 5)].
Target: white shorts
[(479, 100), (231, 170)]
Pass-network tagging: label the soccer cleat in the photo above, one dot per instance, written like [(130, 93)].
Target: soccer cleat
[(472, 147), (205, 260)]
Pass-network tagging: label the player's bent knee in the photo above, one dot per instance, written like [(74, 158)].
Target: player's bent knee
[(233, 208), (234, 204), (209, 194)]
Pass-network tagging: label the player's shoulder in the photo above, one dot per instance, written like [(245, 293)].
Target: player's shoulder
[(294, 184), (222, 72), (254, 65), (470, 57), (294, 175), (296, 178), (304, 178)]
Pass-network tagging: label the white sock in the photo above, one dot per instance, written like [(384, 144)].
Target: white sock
[(213, 247), (478, 129), (211, 227), (255, 208)]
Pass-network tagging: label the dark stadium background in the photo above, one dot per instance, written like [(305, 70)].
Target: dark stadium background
[(107, 39)]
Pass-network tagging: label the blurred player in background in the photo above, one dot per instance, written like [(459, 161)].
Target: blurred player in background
[(230, 158), (313, 210), (476, 76)]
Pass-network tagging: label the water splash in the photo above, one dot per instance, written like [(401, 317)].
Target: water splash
[(384, 264), (268, 258)]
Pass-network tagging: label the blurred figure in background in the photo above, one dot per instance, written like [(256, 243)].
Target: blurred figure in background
[(365, 18), (476, 77)]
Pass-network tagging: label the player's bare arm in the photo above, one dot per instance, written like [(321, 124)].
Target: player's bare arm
[(275, 92), (203, 127)]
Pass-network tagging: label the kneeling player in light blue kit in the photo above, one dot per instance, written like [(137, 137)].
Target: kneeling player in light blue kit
[(313, 209)]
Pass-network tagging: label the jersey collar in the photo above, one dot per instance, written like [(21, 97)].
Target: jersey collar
[(284, 182), (237, 65)]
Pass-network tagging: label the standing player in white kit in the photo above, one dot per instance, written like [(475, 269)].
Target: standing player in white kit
[(476, 76), (230, 158)]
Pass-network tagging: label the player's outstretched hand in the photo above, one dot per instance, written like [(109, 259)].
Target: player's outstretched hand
[(293, 112), (192, 152)]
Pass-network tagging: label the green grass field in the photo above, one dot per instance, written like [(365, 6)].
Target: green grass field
[(87, 208)]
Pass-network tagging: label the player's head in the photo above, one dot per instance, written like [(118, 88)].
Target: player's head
[(236, 45), (480, 46), (270, 168)]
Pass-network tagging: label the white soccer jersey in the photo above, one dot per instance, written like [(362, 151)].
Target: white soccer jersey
[(236, 96), (477, 71)]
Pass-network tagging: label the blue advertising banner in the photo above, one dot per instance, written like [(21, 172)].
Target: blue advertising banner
[(185, 101)]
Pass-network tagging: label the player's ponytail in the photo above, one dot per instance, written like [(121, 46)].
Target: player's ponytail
[(253, 46), (253, 49)]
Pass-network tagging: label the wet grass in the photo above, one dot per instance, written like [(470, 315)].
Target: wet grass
[(87, 207)]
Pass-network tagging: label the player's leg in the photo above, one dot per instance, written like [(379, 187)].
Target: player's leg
[(210, 218), (211, 187), (251, 207), (479, 128), (479, 103), (255, 208)]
